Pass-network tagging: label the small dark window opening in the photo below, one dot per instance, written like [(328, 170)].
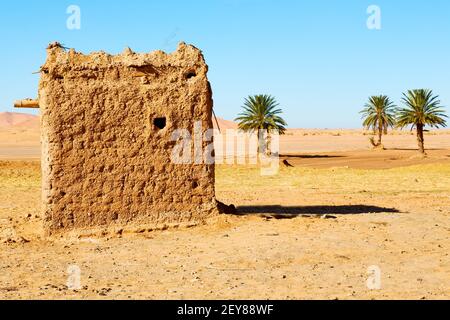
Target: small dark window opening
[(190, 75), (160, 123), (195, 185)]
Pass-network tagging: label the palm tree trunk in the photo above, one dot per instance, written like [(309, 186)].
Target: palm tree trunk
[(268, 144), (261, 145), (420, 139), (380, 133)]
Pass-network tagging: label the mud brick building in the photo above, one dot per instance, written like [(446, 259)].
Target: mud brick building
[(106, 126)]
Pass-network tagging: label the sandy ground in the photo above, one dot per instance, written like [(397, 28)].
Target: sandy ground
[(19, 144), (388, 209)]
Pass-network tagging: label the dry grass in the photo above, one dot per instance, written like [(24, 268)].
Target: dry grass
[(18, 174), (249, 257), (433, 179)]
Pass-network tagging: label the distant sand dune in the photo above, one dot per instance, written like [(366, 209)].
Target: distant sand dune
[(224, 124), (23, 120), (19, 139)]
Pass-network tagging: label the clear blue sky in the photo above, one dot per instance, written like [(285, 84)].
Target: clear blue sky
[(317, 57)]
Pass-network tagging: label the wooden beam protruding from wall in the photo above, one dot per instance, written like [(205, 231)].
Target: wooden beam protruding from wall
[(27, 103)]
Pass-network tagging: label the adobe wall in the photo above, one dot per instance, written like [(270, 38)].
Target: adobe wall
[(104, 161)]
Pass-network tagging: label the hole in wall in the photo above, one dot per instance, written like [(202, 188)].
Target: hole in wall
[(160, 123), (71, 218), (190, 75), (194, 185)]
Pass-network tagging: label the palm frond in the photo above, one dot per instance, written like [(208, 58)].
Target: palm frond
[(261, 112), (421, 107), (378, 113)]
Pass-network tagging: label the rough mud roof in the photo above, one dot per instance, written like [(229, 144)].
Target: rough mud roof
[(184, 56)]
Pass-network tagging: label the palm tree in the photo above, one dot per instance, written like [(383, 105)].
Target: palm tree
[(261, 112), (421, 108), (379, 115)]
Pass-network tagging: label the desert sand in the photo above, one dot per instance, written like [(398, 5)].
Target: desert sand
[(388, 208)]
